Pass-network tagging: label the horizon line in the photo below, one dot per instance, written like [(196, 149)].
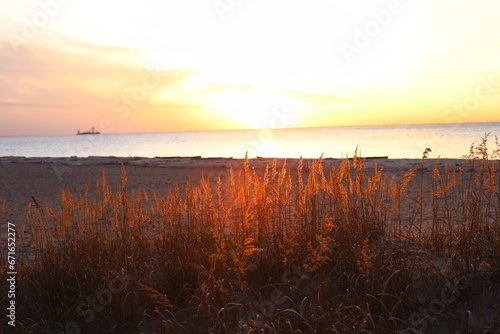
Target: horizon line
[(253, 129)]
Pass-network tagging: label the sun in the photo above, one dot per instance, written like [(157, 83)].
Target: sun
[(253, 110)]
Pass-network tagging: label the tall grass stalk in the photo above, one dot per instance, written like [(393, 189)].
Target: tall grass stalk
[(327, 249)]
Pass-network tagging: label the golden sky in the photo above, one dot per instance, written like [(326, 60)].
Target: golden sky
[(157, 65)]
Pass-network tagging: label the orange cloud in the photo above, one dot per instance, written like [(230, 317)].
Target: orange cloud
[(57, 91)]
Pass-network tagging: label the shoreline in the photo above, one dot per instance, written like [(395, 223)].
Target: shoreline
[(22, 179), (158, 161)]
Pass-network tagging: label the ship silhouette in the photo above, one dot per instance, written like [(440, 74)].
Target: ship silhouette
[(91, 132)]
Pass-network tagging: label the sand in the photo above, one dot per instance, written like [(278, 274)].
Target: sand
[(43, 179), (22, 179)]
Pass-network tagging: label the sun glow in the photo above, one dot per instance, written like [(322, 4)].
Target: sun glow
[(254, 110), (181, 65)]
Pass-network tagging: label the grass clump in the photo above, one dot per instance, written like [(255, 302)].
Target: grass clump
[(346, 249)]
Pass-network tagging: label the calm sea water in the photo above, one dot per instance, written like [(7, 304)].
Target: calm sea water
[(395, 141)]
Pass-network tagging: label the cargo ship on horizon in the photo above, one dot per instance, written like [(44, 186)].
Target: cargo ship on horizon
[(91, 132)]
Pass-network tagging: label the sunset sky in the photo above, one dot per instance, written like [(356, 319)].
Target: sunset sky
[(158, 65)]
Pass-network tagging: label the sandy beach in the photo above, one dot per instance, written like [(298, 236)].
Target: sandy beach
[(360, 204), (44, 178)]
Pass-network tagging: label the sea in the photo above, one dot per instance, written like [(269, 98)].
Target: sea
[(392, 141)]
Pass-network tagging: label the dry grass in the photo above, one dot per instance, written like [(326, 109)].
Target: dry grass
[(345, 250)]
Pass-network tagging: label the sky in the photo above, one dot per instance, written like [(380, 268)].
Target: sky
[(187, 65)]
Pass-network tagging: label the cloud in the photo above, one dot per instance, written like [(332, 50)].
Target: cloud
[(32, 105), (81, 64), (313, 100), (316, 99), (74, 83)]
